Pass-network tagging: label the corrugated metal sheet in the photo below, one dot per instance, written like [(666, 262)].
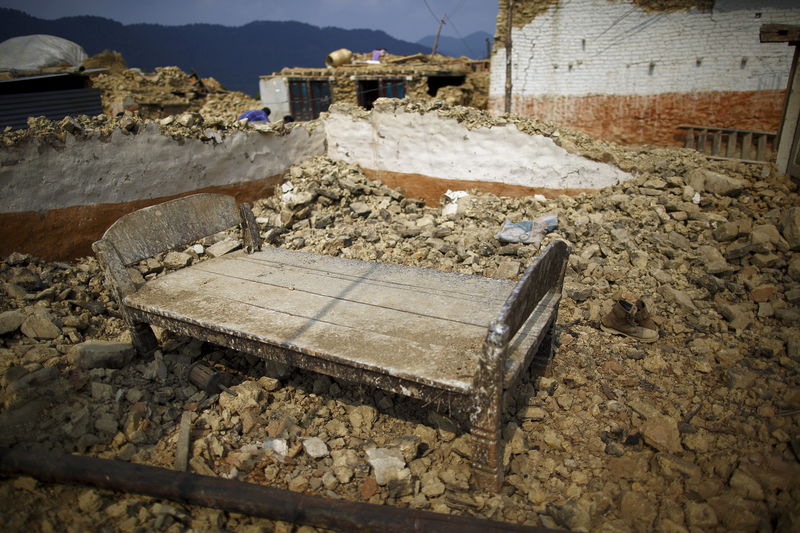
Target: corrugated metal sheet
[(55, 105)]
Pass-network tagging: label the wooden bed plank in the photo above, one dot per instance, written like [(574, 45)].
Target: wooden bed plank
[(414, 347), (446, 302), (452, 366), (305, 303), (390, 273)]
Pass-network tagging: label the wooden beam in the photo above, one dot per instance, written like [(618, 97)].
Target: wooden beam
[(779, 33), (239, 497), (509, 28)]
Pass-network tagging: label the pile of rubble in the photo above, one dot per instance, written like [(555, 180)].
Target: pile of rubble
[(188, 125), (695, 432), (169, 91)]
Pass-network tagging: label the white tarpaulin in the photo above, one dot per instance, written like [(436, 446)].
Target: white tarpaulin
[(31, 52)]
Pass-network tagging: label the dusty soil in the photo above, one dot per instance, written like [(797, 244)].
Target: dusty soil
[(695, 432)]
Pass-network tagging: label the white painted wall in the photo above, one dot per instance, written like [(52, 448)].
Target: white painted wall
[(39, 177), (275, 95), (427, 144), (583, 47)]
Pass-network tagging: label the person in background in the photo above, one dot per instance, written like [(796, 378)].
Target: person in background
[(288, 118), (256, 115)]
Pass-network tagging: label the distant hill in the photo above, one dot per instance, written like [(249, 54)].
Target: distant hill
[(472, 46), (235, 56)]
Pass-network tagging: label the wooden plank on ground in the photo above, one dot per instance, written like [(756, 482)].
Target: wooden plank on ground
[(184, 442)]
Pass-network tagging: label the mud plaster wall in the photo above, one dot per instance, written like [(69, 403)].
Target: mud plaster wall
[(343, 90), (428, 145), (56, 200), (38, 177), (580, 63)]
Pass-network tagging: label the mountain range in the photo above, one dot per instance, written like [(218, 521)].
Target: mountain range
[(235, 56)]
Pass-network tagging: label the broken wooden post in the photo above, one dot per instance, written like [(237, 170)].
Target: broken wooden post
[(184, 442), (509, 25)]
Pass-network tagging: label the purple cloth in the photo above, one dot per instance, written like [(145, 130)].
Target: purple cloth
[(376, 55), (254, 115)]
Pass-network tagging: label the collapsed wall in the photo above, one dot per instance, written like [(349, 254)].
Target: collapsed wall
[(62, 189)]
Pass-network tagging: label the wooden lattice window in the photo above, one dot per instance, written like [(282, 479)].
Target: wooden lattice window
[(309, 98)]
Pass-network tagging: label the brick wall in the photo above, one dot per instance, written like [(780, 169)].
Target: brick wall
[(632, 75)]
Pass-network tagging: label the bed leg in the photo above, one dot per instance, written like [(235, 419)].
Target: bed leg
[(487, 449), (143, 338), (540, 366)]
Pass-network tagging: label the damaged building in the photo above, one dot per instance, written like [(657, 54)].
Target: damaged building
[(304, 93), (633, 71)]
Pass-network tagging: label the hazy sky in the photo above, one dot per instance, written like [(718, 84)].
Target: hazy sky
[(405, 19)]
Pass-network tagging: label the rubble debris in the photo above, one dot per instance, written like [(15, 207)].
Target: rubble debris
[(706, 414)]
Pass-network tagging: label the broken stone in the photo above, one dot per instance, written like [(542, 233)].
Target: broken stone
[(432, 486), (573, 515), (704, 180), (749, 487), (11, 321), (763, 293), (102, 391), (344, 464), (175, 260), (790, 225), (768, 235), (360, 209), (661, 432), (700, 516), (222, 247), (507, 269), (39, 325), (738, 315), (726, 232), (678, 296), (315, 447), (387, 464), (278, 446), (673, 466), (447, 428), (362, 417), (90, 501)]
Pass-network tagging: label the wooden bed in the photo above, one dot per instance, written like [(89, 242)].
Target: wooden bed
[(451, 339)]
